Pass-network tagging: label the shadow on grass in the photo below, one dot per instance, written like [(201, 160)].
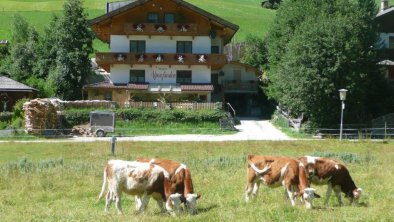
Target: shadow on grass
[(206, 209)]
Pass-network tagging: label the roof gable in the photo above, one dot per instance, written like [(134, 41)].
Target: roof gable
[(385, 20), (7, 84), (136, 12), (138, 3)]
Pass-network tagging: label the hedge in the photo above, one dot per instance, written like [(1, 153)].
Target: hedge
[(6, 116), (80, 116)]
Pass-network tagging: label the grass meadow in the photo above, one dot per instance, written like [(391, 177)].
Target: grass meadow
[(60, 182)]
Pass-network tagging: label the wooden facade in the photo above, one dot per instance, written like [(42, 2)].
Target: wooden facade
[(215, 61), (201, 23)]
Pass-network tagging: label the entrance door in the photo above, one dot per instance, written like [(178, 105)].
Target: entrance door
[(215, 81)]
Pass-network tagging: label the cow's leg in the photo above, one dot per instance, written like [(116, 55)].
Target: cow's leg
[(328, 194), (145, 201), (118, 201), (250, 186), (108, 200), (249, 190), (256, 188), (138, 202), (290, 192), (160, 204), (337, 190)]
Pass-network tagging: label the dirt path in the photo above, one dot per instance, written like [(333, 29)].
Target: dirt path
[(248, 130)]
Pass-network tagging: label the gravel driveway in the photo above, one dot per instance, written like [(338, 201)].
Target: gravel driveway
[(248, 130)]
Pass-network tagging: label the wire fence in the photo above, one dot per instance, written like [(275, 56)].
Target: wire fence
[(312, 133)]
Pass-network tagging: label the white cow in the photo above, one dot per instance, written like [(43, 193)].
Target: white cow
[(139, 179)]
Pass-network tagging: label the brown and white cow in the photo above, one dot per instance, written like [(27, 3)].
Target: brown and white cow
[(181, 181), (324, 171), (139, 179), (275, 171)]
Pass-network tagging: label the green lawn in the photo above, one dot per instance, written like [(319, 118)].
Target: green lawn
[(134, 128), (60, 182)]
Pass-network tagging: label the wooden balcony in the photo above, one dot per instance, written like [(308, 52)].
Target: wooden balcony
[(215, 61), (240, 86), (161, 29)]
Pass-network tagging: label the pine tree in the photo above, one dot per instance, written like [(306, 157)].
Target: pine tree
[(73, 45)]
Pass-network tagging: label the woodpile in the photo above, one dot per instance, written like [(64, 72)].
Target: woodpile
[(42, 116), (81, 131)]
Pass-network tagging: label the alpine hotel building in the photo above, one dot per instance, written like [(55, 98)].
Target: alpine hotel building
[(167, 49)]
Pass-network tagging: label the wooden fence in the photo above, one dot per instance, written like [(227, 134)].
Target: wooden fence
[(159, 105)]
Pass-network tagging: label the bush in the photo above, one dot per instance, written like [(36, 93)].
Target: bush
[(167, 116), (5, 116), (74, 117)]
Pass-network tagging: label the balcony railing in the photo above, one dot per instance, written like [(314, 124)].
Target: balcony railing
[(213, 60), (242, 87), (161, 29)]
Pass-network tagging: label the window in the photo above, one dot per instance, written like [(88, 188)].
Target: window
[(184, 77), (184, 47), (169, 18), (153, 17), (137, 76), (137, 46), (391, 42), (108, 96), (215, 49)]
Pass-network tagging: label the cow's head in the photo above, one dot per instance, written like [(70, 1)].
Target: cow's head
[(356, 194), (309, 195), (191, 202), (173, 204)]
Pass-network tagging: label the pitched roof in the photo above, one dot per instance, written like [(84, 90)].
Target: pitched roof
[(179, 2), (386, 63), (384, 19), (145, 86), (197, 87), (7, 84), (109, 85), (384, 12)]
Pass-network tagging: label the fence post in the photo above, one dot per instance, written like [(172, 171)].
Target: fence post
[(385, 130)]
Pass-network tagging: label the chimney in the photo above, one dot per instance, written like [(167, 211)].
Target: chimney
[(384, 4)]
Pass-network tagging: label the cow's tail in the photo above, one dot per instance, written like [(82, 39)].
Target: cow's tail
[(262, 172), (104, 184)]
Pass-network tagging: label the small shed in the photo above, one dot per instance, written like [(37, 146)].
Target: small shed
[(11, 91)]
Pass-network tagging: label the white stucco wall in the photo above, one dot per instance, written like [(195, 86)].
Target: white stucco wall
[(160, 44), (246, 75), (384, 39), (121, 73)]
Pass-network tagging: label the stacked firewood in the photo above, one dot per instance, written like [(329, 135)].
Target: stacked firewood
[(81, 131), (41, 115)]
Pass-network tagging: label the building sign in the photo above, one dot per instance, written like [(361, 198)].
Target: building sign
[(161, 73)]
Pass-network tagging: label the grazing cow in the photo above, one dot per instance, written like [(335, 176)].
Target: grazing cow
[(136, 178), (324, 171), (276, 171), (181, 181)]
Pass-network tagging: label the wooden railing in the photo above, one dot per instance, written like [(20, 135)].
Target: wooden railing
[(161, 29), (178, 105), (243, 86), (214, 60)]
